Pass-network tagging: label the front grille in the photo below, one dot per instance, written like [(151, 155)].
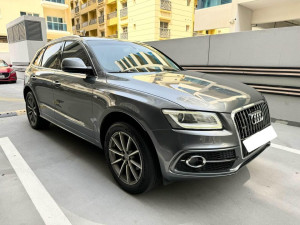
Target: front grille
[(209, 167), (5, 74), (245, 125)]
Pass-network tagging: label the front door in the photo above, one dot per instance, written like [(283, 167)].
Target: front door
[(73, 96)]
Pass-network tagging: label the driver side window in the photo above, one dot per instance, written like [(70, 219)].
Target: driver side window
[(74, 49)]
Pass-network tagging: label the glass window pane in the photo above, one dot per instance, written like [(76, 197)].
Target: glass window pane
[(51, 58), (74, 49)]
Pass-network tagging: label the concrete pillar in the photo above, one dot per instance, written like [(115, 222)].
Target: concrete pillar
[(243, 19)]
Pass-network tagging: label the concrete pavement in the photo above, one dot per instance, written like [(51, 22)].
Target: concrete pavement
[(74, 173)]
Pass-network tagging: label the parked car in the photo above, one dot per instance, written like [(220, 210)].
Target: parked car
[(7, 73), (155, 121)]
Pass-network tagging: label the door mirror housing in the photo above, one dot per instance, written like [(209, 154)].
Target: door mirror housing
[(76, 65)]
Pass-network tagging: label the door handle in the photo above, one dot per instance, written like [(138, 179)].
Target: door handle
[(57, 83)]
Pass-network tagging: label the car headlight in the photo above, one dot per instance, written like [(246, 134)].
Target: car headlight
[(194, 120), (13, 71)]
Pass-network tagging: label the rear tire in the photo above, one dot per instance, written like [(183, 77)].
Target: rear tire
[(133, 165), (33, 114)]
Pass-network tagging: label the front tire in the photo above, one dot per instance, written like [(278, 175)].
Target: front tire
[(130, 158), (33, 114)]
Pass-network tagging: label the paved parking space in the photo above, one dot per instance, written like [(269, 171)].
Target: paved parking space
[(74, 173), (11, 96)]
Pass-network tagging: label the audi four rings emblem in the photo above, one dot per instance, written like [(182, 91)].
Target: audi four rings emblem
[(256, 117)]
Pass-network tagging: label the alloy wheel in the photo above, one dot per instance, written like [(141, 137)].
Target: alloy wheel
[(31, 110), (125, 158)]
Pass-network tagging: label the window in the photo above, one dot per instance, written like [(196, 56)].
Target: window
[(187, 28), (38, 58), (188, 2), (164, 25), (3, 63), (127, 56), (125, 29), (56, 23), (51, 58), (22, 13), (74, 49), (36, 15), (209, 3), (29, 14)]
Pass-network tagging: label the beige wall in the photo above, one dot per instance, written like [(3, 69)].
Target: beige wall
[(10, 10), (213, 17), (241, 14)]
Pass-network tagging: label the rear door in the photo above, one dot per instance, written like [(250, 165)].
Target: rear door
[(73, 95), (43, 70)]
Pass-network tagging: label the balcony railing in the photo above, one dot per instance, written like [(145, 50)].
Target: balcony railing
[(101, 19), (77, 9), (72, 11), (124, 35), (100, 1), (123, 12), (90, 2), (93, 21), (113, 36), (56, 1), (77, 26), (57, 26), (164, 33), (84, 24), (112, 15), (165, 5), (83, 5), (73, 27)]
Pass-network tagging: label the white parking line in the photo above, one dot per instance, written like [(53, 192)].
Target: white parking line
[(284, 148), (44, 203)]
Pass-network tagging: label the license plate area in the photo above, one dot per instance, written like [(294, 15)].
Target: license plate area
[(2, 76), (260, 138)]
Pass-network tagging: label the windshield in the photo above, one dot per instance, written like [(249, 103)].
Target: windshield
[(118, 57), (2, 63)]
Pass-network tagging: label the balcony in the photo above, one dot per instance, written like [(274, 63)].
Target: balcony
[(54, 4), (85, 24), (112, 15), (101, 19), (164, 33), (124, 12), (73, 11), (93, 21), (57, 26), (77, 9), (124, 35), (91, 2), (113, 36), (73, 28), (165, 5), (83, 5), (78, 26)]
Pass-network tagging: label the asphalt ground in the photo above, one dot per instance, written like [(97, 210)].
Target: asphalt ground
[(54, 177)]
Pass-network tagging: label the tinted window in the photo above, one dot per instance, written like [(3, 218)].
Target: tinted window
[(75, 50), (117, 56), (38, 58), (3, 63), (51, 58)]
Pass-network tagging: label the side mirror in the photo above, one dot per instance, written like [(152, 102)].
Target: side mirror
[(10, 65), (76, 65)]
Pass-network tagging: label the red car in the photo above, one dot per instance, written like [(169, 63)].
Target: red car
[(7, 73)]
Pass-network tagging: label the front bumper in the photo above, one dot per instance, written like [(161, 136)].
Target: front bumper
[(11, 77), (221, 149)]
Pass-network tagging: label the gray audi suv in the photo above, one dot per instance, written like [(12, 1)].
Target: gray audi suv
[(156, 122)]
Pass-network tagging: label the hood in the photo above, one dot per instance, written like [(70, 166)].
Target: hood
[(5, 69), (191, 90)]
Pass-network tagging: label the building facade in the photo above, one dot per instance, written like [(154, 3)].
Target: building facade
[(57, 15), (135, 20), (224, 16)]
